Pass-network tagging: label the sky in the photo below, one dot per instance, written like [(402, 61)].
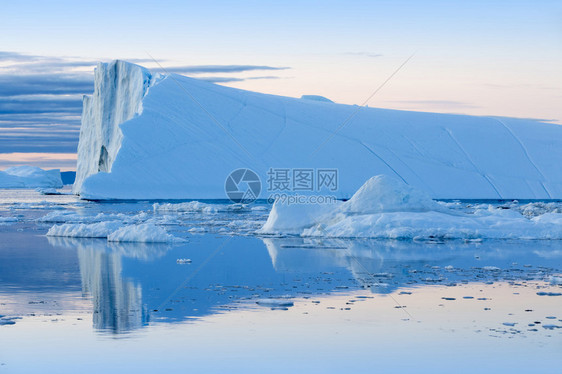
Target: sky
[(497, 58)]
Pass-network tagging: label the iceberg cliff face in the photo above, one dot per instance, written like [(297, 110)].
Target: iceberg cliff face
[(179, 138), (119, 90)]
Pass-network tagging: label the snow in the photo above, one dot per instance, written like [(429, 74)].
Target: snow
[(385, 207), (30, 177), (144, 233), (174, 137)]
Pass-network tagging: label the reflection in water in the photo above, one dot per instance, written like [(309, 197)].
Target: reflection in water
[(131, 284), (117, 301)]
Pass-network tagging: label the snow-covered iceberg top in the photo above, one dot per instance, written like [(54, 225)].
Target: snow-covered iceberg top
[(30, 177), (385, 207), (151, 137)]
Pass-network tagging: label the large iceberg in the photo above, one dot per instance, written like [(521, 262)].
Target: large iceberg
[(30, 177), (147, 136)]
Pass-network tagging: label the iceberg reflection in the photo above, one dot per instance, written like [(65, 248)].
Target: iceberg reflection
[(132, 284)]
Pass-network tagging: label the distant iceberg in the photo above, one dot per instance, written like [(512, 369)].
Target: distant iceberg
[(30, 177), (148, 136)]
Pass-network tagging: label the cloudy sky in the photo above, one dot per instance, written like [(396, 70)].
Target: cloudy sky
[(501, 58)]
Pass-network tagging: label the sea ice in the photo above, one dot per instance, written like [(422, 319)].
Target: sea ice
[(385, 207), (83, 230)]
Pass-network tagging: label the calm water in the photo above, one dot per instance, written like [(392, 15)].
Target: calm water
[(247, 304)]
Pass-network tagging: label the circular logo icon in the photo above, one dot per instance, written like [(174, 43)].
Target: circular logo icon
[(242, 186)]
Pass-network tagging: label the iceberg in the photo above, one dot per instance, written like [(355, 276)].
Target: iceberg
[(387, 208), (151, 136), (30, 177)]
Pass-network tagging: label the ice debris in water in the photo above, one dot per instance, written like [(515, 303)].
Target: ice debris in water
[(115, 231), (85, 230), (275, 303), (198, 207)]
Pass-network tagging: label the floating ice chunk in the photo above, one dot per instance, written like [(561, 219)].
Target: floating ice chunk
[(30, 177), (83, 230), (388, 208), (275, 303), (543, 293), (197, 230), (551, 327), (555, 280), (8, 220), (146, 233), (183, 261)]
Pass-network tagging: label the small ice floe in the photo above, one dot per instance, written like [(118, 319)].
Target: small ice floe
[(510, 324), (5, 321), (183, 261), (7, 220), (197, 230), (543, 293), (491, 268), (275, 303), (555, 280), (50, 191), (85, 230), (551, 327)]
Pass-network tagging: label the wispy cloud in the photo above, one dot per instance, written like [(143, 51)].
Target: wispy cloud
[(363, 54), (41, 103), (202, 69), (45, 84), (435, 103), (233, 79), (18, 105), (47, 160)]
